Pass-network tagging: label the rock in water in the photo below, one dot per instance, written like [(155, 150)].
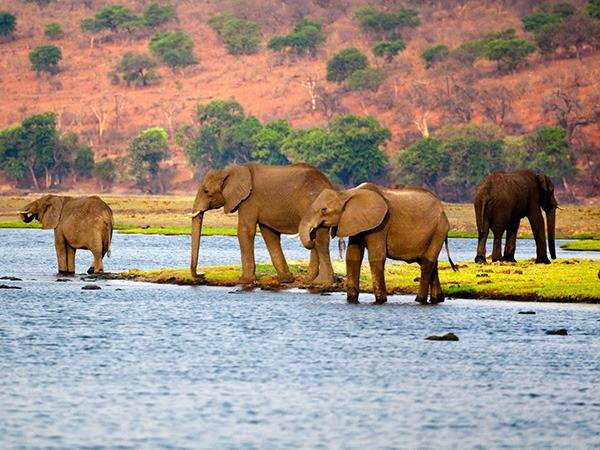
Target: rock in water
[(446, 337)]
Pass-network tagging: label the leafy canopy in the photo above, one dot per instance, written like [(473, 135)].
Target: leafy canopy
[(45, 58), (341, 65), (175, 49)]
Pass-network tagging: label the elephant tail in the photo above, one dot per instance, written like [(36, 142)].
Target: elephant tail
[(454, 266), (106, 240)]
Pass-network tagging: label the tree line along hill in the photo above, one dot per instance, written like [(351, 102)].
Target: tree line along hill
[(146, 96)]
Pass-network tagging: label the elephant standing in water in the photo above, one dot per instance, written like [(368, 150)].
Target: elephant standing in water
[(273, 197), (406, 224), (502, 199), (78, 222)]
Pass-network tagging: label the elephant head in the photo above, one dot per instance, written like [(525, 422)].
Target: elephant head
[(46, 210), (347, 213), (549, 205), (226, 188)]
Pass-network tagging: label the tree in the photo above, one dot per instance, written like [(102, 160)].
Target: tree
[(137, 68), (535, 21), (306, 36), (388, 50), (45, 58), (53, 31), (241, 37), (578, 31), (115, 18), (435, 53), (366, 79), (8, 23), (341, 65), (175, 49), (552, 154), (386, 25), (104, 171), (425, 163), (349, 151), (592, 9), (155, 15), (83, 165), (509, 53), (570, 111), (144, 153)]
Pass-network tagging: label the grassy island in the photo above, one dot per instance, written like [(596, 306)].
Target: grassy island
[(565, 280)]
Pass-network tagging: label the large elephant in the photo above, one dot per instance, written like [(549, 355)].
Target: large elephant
[(405, 224), (502, 199), (273, 197), (78, 222)]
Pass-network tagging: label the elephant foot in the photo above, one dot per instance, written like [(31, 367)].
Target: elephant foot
[(543, 260), (246, 279), (380, 301), (510, 259), (422, 300), (285, 278), (92, 270), (437, 299), (480, 259), (65, 273), (353, 300), (320, 280)]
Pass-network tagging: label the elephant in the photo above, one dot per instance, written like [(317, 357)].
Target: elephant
[(78, 223), (501, 200), (273, 197), (407, 224)]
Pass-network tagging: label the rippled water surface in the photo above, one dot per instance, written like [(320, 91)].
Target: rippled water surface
[(136, 365)]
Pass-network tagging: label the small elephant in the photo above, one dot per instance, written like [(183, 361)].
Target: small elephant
[(78, 222), (405, 224), (502, 199), (273, 197)]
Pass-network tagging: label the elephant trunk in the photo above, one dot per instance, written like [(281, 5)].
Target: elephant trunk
[(197, 219), (306, 232), (551, 224)]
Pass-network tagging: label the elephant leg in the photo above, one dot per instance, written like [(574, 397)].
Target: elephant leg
[(98, 267), (539, 234), (354, 257), (497, 248), (377, 265), (427, 267), (322, 256), (61, 254), (481, 242), (510, 245), (312, 271), (437, 295), (273, 241), (71, 259), (246, 235)]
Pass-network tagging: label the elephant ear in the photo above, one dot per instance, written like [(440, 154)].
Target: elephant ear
[(363, 211), (51, 214), (237, 186)]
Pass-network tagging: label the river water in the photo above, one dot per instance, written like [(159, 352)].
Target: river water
[(138, 365)]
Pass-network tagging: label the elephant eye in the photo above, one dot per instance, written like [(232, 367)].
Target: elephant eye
[(323, 210), (205, 191)]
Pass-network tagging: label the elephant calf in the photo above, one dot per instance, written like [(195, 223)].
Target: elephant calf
[(405, 224), (82, 222)]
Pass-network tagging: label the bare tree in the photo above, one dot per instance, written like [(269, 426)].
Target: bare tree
[(569, 111), (101, 112), (496, 103), (417, 102)]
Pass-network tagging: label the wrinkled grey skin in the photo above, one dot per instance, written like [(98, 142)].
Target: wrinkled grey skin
[(502, 199), (273, 197), (404, 224), (78, 223)]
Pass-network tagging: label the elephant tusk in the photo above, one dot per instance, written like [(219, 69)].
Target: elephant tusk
[(23, 212), (195, 214), (292, 236)]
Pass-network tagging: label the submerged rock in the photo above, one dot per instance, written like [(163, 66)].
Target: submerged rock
[(446, 337), (91, 287), (559, 332), (6, 286)]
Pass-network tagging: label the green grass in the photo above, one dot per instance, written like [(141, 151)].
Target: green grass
[(174, 230), (565, 280), (20, 224), (588, 245)]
